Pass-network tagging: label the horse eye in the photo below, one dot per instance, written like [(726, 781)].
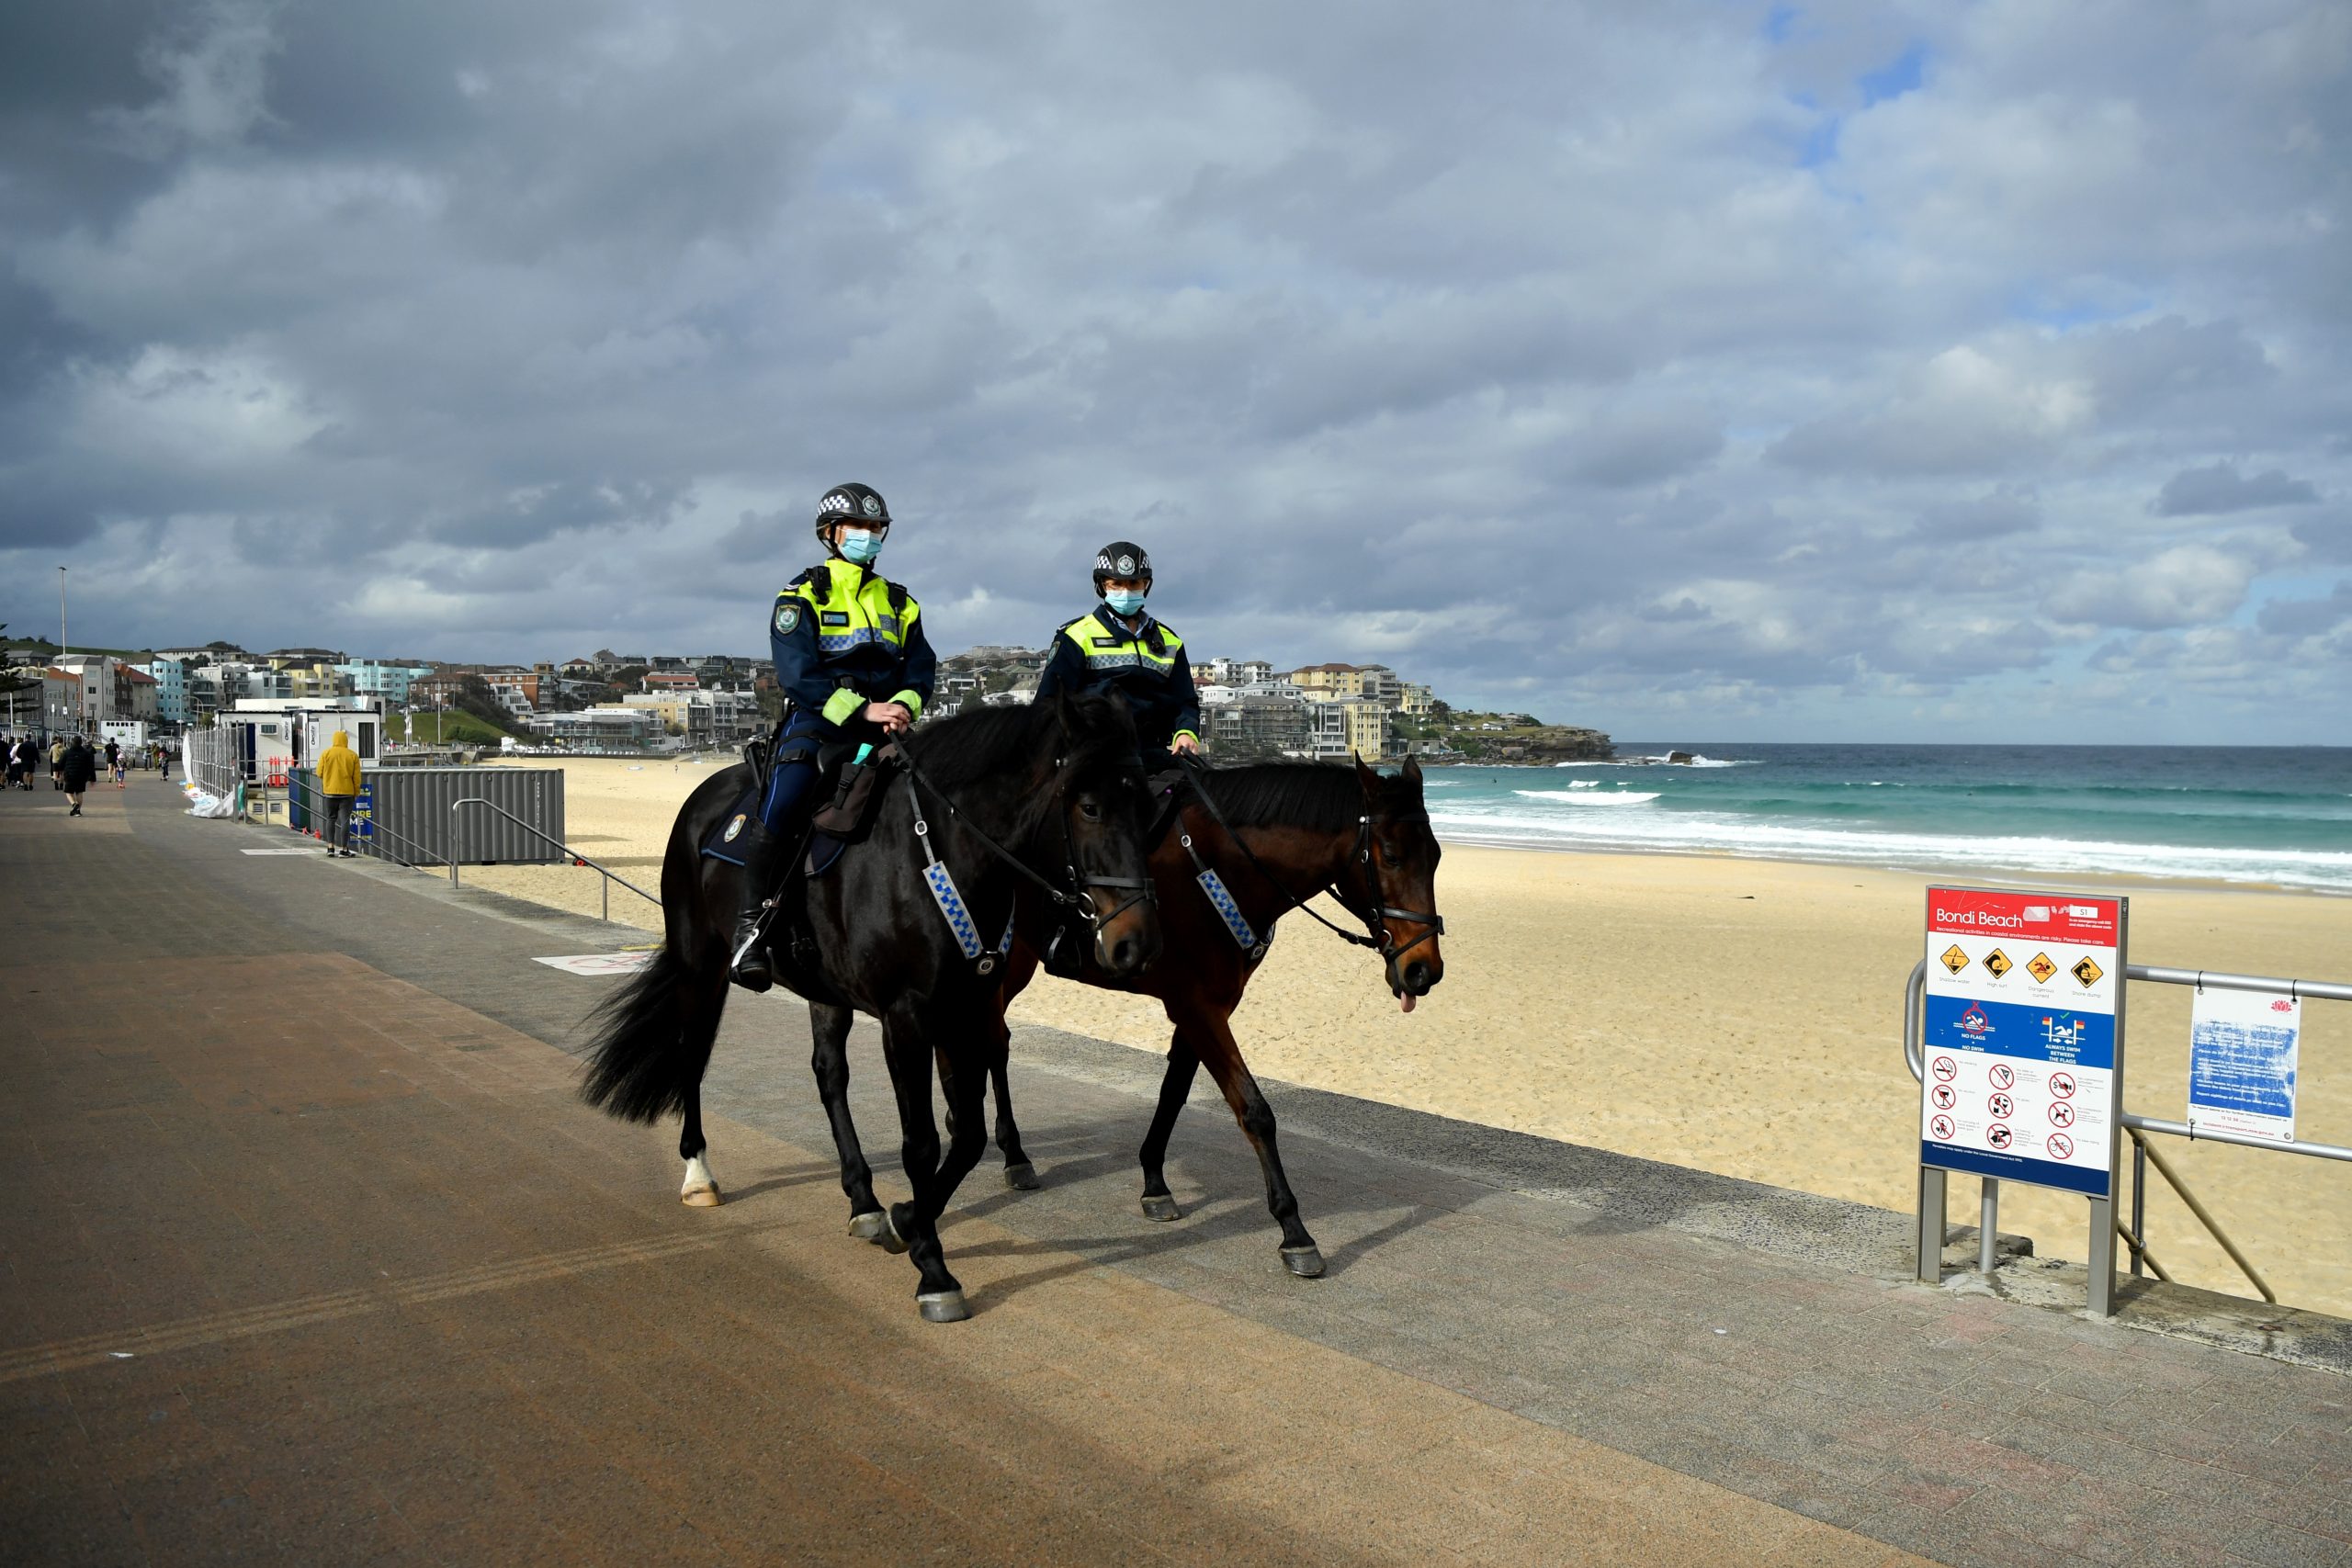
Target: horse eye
[(1091, 811)]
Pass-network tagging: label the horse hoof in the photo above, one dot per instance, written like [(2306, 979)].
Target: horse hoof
[(868, 1227), (700, 1197), (1022, 1177), (1160, 1206), (1307, 1262), (890, 1239), (942, 1306)]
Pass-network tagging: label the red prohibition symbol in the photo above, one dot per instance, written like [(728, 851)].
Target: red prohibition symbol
[(1943, 1095), (2060, 1145), (2000, 1105), (2001, 1074), (1941, 1127), (1998, 1136), (2060, 1113), (2063, 1085), (1945, 1068)]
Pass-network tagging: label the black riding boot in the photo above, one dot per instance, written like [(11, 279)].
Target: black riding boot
[(752, 968)]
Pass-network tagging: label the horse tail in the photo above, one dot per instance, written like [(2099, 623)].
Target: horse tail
[(652, 1037)]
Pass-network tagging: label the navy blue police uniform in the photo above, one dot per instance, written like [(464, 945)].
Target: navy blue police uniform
[(1142, 660)]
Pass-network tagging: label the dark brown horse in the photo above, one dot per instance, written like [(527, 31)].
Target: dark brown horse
[(1288, 830), (1043, 800)]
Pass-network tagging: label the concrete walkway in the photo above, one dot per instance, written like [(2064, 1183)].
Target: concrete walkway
[(313, 1256)]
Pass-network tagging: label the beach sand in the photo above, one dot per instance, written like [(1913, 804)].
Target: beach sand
[(1738, 1016)]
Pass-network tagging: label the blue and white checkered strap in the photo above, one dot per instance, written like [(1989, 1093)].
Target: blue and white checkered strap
[(951, 904), (1226, 910)]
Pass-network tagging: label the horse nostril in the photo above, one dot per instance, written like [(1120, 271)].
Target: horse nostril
[(1122, 956), (1417, 978)]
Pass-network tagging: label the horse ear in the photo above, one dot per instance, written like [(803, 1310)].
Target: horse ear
[(1413, 774), (1365, 776), (1064, 716)]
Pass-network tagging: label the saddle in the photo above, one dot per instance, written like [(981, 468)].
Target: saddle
[(845, 818)]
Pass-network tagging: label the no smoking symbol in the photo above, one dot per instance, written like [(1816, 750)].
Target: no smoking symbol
[(1943, 1095), (1945, 1068), (2062, 1114), (2001, 1074)]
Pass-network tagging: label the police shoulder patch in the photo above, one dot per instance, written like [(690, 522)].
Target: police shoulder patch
[(788, 618)]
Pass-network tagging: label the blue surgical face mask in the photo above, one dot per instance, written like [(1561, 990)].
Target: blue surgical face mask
[(859, 546), (1124, 602)]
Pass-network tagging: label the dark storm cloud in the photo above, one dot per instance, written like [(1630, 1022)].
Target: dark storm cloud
[(1710, 361), (2206, 492)]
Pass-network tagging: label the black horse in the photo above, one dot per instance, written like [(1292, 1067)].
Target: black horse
[(1044, 799), (1279, 833)]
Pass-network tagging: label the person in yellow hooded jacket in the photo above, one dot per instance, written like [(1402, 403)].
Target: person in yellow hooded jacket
[(339, 785)]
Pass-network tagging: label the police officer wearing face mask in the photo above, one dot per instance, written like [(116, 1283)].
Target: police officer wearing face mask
[(1121, 648), (854, 665)]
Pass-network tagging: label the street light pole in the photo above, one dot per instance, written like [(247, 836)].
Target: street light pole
[(61, 612)]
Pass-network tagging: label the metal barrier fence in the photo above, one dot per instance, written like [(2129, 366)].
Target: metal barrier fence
[(213, 760), (2134, 1235)]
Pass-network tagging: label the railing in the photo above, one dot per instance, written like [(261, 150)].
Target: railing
[(603, 888), (2134, 1235)]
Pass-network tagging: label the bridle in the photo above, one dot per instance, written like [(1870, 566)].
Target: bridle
[(1076, 897), (1376, 922)]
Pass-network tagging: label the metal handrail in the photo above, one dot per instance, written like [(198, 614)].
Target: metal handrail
[(2142, 1149), (2136, 1127), (603, 888)]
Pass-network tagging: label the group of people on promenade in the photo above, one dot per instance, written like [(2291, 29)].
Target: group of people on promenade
[(75, 764)]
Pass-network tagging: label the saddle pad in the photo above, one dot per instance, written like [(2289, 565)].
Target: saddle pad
[(725, 838)]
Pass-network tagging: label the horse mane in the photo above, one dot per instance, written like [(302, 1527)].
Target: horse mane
[(994, 743), (1323, 796)]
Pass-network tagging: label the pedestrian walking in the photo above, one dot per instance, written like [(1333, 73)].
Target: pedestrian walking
[(77, 770), (339, 784), (57, 763), (164, 759), (118, 761), (19, 747)]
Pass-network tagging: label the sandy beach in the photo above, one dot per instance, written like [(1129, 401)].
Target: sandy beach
[(1740, 1015)]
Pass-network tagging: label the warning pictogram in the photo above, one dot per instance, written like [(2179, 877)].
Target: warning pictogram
[(2063, 1085), (1954, 959), (1941, 1127), (2060, 1113), (1998, 1136), (1944, 1068), (2060, 1145), (2001, 1076), (2041, 966), (1998, 964), (2000, 1105), (2088, 971), (1944, 1096)]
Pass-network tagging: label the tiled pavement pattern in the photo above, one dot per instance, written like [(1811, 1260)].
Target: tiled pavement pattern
[(289, 1135)]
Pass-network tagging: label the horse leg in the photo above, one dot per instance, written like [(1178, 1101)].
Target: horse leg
[(1218, 1053), (1174, 1089), (828, 1029), (700, 1189), (912, 1227), (1018, 1172)]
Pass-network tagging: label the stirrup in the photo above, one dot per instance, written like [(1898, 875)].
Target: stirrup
[(750, 967)]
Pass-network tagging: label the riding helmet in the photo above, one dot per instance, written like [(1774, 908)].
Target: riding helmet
[(1121, 558), (852, 503)]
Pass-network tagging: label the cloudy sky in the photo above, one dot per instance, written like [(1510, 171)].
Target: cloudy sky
[(1968, 372)]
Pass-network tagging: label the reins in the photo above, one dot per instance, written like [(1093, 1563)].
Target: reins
[(1072, 897), (1377, 923)]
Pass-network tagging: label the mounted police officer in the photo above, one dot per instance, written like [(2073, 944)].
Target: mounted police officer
[(1120, 647), (854, 665)]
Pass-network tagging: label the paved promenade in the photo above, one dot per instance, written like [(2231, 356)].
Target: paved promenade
[(313, 1257)]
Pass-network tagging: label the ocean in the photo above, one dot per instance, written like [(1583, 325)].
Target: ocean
[(2276, 815)]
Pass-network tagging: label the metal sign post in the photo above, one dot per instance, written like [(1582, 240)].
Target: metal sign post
[(2024, 1059)]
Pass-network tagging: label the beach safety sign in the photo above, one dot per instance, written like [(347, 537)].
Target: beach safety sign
[(2241, 1051), (2022, 1079)]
